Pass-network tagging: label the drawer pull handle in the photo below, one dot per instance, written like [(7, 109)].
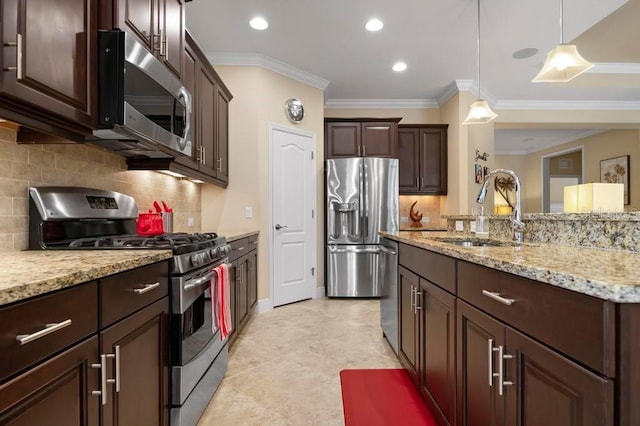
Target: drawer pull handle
[(240, 248), (497, 297), (115, 381), (146, 288), (23, 339)]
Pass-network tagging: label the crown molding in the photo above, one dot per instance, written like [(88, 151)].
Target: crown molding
[(465, 86), (615, 68), (381, 103), (570, 105), (267, 62), (538, 148)]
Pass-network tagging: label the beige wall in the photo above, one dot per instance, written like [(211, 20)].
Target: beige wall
[(463, 142), (258, 100), (575, 168), (409, 115), (22, 166), (612, 143)]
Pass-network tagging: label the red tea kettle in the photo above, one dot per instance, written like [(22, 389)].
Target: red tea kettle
[(149, 224)]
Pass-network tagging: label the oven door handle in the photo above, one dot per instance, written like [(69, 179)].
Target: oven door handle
[(199, 281)]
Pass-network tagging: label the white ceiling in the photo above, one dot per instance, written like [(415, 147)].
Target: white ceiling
[(324, 42)]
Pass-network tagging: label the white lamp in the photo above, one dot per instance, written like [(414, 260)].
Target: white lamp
[(563, 63), (479, 112), (594, 197)]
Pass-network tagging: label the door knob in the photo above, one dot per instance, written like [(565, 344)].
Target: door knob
[(279, 227)]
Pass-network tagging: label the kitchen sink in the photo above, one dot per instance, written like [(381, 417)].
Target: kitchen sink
[(476, 242)]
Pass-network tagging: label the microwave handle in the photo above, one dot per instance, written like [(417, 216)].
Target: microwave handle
[(184, 95)]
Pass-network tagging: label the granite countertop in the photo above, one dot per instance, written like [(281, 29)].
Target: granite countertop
[(233, 235), (607, 274), (24, 274)]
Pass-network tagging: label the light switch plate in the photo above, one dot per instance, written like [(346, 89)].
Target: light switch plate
[(472, 226), (190, 222), (459, 225), (248, 212)]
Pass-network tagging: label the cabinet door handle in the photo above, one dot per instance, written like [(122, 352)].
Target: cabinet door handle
[(501, 359), (421, 181), (23, 339), (147, 288), (204, 154), (220, 165), (364, 150), (412, 309), (418, 307), (496, 296), (116, 356), (417, 182), (102, 393), (18, 45), (491, 350), (156, 40), (163, 44)]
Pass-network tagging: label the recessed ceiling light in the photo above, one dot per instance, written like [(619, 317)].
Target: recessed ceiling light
[(527, 52), (374, 25), (399, 66), (259, 23)]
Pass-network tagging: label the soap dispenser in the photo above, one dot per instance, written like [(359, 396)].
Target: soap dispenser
[(482, 224)]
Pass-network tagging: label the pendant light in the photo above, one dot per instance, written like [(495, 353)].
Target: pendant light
[(479, 112), (563, 63)]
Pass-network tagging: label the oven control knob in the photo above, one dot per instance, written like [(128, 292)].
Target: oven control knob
[(214, 252), (196, 260)]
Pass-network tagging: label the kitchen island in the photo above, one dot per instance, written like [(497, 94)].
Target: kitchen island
[(532, 333)]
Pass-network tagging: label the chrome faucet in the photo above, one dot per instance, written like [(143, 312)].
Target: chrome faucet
[(516, 218)]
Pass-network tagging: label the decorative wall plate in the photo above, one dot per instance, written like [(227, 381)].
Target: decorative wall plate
[(294, 110)]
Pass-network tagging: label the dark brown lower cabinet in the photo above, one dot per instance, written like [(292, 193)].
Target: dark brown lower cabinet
[(427, 341), (408, 325), (507, 378), (252, 278), (56, 392), (242, 292), (437, 343), (140, 393)]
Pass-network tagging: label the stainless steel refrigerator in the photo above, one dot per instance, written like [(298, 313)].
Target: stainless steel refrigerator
[(362, 199)]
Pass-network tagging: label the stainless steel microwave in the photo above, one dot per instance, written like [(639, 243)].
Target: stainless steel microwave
[(144, 110)]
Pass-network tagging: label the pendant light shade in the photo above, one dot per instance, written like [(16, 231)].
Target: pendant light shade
[(563, 63), (479, 111)]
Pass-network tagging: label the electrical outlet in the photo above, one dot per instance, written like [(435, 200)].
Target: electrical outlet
[(425, 219), (459, 225), (404, 219), (472, 226), (190, 222), (248, 212)]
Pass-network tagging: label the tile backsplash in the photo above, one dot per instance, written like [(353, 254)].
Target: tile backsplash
[(22, 166), (428, 205)]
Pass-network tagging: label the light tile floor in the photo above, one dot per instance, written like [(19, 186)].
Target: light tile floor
[(284, 366)]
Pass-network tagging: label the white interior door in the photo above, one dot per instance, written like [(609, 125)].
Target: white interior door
[(293, 230)]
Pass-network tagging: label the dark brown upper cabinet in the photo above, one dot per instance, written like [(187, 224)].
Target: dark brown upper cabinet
[(361, 137), (48, 65), (210, 118), (159, 24), (422, 153)]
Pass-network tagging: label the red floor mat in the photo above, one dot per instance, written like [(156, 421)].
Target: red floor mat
[(382, 397)]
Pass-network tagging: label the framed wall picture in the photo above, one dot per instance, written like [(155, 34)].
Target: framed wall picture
[(616, 170), (478, 173)]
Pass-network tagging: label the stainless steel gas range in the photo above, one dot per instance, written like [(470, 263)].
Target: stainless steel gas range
[(71, 218)]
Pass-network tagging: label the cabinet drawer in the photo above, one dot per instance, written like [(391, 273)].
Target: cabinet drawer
[(580, 326), (125, 293), (238, 248), (78, 304), (439, 269), (252, 242)]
